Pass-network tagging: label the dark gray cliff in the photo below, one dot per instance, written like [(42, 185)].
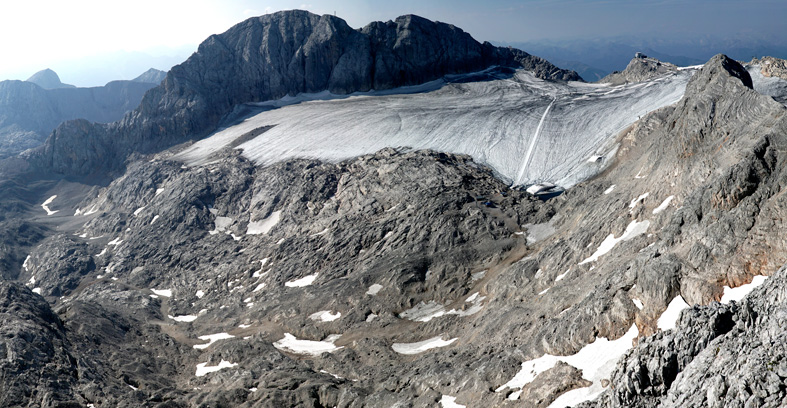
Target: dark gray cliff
[(29, 113), (275, 55)]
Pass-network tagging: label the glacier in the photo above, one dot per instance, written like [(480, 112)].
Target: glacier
[(526, 129)]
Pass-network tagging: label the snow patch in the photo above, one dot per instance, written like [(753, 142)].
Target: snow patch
[(24, 264), (203, 368), (46, 203), (632, 230), (371, 317), (325, 316), (421, 346), (115, 241), (663, 206), (637, 200), (138, 210), (154, 219), (609, 190), (638, 303), (596, 360), (162, 292), (562, 275), (212, 338), (37, 291), (264, 226), (737, 294), (199, 294), (299, 283), (448, 401), (309, 347), (669, 318), (184, 318), (374, 289)]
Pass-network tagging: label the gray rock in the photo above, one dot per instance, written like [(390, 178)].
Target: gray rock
[(48, 79), (638, 70)]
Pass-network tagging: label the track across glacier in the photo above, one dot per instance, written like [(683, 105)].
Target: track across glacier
[(526, 129)]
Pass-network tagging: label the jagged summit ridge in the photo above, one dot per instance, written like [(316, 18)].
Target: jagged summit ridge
[(280, 54)]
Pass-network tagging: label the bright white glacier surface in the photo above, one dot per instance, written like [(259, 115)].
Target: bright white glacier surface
[(525, 128), (421, 346)]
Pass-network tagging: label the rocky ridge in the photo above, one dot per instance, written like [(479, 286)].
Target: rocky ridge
[(639, 69), (48, 79), (269, 57)]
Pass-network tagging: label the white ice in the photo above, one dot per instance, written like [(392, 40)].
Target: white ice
[(374, 289), (523, 127), (448, 401), (313, 348), (325, 316), (264, 226), (203, 368), (596, 360), (162, 292), (46, 203), (632, 230), (299, 283), (737, 294), (669, 318), (421, 346), (212, 338), (663, 206)]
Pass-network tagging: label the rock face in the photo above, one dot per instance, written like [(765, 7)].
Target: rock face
[(275, 55), (151, 76), (48, 79), (28, 113), (638, 70)]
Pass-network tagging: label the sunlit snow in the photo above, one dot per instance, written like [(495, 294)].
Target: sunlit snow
[(663, 206), (314, 348), (632, 230), (421, 346), (610, 189), (212, 338), (374, 289), (669, 318), (299, 283), (264, 226), (596, 360), (46, 203), (325, 316), (184, 318), (448, 401), (737, 294), (203, 368), (162, 292)]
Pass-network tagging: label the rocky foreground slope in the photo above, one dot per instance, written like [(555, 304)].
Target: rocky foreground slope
[(270, 57), (411, 278)]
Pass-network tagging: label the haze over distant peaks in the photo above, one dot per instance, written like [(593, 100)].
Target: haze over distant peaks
[(48, 79)]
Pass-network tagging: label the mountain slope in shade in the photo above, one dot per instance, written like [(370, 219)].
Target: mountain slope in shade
[(272, 56)]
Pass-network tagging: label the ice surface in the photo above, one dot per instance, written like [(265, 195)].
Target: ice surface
[(162, 292), (663, 206), (737, 294), (596, 360), (314, 348), (264, 226), (212, 338), (203, 368), (325, 316), (669, 318), (525, 128), (632, 230), (299, 283), (772, 86), (421, 346), (46, 203), (448, 401), (374, 289)]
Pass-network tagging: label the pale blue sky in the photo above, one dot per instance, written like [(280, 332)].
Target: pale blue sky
[(46, 33)]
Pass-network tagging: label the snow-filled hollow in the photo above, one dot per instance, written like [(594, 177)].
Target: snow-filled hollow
[(292, 344), (45, 205), (264, 226), (633, 230), (421, 346)]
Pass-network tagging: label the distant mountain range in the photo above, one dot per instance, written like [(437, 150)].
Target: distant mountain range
[(30, 110)]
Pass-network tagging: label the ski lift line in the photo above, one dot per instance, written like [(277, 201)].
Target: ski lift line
[(533, 142)]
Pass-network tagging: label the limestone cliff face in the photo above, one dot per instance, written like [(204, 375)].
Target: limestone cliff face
[(281, 54)]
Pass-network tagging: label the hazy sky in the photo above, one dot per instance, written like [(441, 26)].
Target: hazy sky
[(58, 34)]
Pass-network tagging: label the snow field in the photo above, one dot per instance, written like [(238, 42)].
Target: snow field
[(632, 230), (212, 338), (421, 346), (46, 203), (669, 317), (264, 226), (309, 347), (737, 294), (302, 282), (203, 368)]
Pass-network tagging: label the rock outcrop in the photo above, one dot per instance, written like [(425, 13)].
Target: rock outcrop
[(151, 76), (638, 70), (272, 56)]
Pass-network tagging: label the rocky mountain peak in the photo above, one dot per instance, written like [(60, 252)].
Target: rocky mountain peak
[(640, 68), (48, 79), (151, 76), (720, 72)]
